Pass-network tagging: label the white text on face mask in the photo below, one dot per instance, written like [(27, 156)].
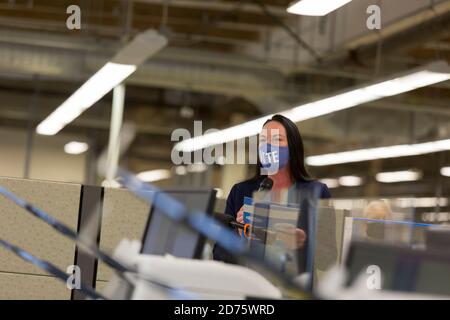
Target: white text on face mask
[(270, 157)]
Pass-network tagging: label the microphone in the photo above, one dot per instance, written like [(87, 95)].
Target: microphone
[(266, 185)]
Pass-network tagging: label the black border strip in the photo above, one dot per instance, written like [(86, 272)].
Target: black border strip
[(91, 203)]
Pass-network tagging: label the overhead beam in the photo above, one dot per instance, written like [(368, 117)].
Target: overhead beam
[(85, 123), (399, 36), (110, 26), (444, 46), (220, 5), (408, 107), (179, 69)]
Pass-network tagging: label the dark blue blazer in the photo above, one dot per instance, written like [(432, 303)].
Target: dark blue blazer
[(235, 200)]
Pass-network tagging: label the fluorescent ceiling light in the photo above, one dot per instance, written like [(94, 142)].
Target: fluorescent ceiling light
[(154, 175), (398, 176), (436, 216), (103, 81), (445, 171), (350, 181), (219, 193), (221, 160), (357, 203), (395, 151), (76, 147), (420, 202), (412, 80), (111, 184), (331, 183), (181, 170), (111, 75), (197, 168), (247, 129), (420, 77), (316, 7)]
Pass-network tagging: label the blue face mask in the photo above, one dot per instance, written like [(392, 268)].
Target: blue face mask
[(273, 158)]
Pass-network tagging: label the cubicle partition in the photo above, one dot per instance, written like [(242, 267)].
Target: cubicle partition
[(123, 216), (20, 279), (111, 214), (329, 238), (107, 215)]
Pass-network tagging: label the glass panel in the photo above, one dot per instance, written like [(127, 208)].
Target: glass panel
[(282, 228)]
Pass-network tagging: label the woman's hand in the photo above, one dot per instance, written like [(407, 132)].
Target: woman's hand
[(292, 237), (300, 236), (240, 215), (240, 218)]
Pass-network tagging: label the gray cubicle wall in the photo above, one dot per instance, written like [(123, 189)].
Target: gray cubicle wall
[(329, 237), (20, 279), (123, 216), (112, 214), (105, 215)]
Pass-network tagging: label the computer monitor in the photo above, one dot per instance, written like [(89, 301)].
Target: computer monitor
[(437, 239), (401, 268), (165, 236)]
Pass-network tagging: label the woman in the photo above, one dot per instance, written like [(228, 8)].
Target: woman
[(281, 134)]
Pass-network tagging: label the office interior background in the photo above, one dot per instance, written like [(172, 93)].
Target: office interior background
[(225, 63)]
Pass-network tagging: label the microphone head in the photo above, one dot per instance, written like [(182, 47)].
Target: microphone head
[(266, 184)]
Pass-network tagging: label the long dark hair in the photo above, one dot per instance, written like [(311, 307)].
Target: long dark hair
[(296, 150)]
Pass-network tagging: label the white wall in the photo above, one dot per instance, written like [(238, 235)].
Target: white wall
[(12, 152), (48, 159)]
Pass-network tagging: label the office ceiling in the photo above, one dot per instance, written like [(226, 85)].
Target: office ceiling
[(228, 61)]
